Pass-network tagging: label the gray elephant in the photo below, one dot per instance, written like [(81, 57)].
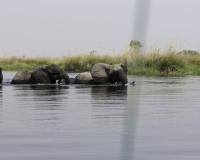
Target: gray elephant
[(21, 77), (41, 74), (102, 73), (1, 75), (105, 73), (84, 78)]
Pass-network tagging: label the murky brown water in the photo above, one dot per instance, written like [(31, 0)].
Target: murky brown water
[(156, 119)]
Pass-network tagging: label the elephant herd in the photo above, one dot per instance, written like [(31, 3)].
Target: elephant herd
[(100, 73)]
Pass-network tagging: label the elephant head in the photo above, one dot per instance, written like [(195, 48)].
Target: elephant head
[(123, 67), (1, 75), (39, 76), (55, 73), (118, 73), (105, 73)]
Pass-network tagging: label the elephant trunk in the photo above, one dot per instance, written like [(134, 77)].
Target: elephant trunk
[(65, 77), (122, 76)]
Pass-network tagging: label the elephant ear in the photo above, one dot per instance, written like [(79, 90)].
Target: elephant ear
[(124, 67), (100, 72)]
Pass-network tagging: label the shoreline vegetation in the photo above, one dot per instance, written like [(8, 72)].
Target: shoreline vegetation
[(138, 61)]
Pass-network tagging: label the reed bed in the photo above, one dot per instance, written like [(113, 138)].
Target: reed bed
[(139, 62)]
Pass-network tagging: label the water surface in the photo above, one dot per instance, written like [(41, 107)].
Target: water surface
[(155, 119)]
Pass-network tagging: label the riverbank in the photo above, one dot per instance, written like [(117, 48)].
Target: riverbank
[(139, 63)]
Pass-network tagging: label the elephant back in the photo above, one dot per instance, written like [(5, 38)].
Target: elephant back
[(39, 68), (116, 67), (84, 78), (21, 77)]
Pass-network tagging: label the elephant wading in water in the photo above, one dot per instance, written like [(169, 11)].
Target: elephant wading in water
[(105, 73), (84, 78), (41, 74), (102, 73), (1, 76)]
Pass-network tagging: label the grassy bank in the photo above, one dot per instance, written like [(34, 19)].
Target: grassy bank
[(138, 62)]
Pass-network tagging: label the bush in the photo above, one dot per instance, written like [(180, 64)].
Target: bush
[(135, 44), (170, 63), (189, 52)]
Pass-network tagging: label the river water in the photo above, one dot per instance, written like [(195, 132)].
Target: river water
[(156, 119)]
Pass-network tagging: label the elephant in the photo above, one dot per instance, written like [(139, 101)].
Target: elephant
[(49, 74), (104, 73), (84, 78), (41, 74), (21, 77), (1, 75)]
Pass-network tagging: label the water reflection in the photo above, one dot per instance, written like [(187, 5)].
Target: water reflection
[(109, 103), (99, 122), (40, 96), (130, 123), (108, 95)]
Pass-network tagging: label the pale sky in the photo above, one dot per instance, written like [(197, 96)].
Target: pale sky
[(61, 27)]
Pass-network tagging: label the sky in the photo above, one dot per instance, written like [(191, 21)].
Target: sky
[(62, 27)]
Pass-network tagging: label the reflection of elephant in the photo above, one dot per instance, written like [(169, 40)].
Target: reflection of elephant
[(41, 74), (109, 92), (109, 103), (105, 73), (1, 75), (46, 97)]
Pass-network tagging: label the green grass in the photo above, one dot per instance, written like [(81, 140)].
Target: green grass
[(14, 63), (168, 62)]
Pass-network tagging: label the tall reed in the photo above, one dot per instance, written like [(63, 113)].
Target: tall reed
[(138, 61)]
